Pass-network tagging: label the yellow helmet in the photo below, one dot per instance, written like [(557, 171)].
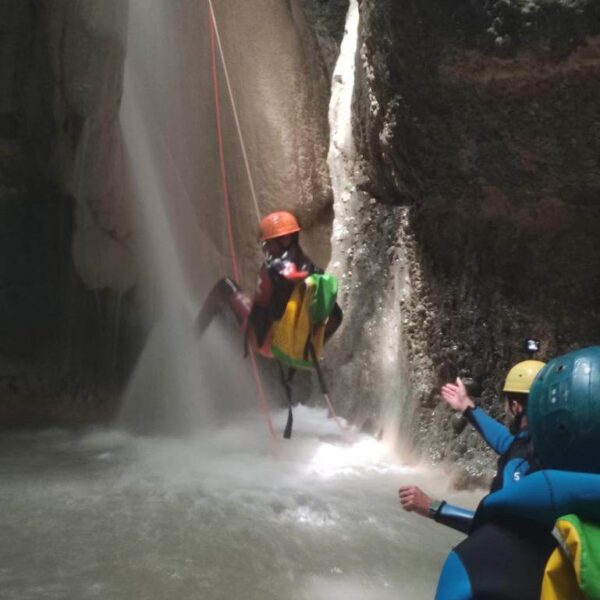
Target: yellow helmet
[(521, 376)]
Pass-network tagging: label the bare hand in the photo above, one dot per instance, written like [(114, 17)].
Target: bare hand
[(455, 394), (413, 499)]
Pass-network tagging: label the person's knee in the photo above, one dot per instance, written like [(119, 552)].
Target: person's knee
[(218, 298)]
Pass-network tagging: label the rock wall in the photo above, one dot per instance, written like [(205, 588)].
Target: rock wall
[(280, 56), (67, 264), (480, 122)]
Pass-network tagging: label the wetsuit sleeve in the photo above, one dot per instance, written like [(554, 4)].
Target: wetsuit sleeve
[(454, 517), (544, 496), (496, 435)]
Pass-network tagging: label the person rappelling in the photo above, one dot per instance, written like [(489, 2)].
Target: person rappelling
[(293, 312)]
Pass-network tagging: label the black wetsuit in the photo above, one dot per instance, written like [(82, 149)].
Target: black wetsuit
[(503, 558)]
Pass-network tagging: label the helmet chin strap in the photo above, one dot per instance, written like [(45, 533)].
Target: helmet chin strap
[(515, 425), (266, 252)]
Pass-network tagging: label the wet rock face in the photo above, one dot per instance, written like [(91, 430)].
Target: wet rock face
[(318, 26), (62, 212), (86, 42), (323, 21), (483, 118)]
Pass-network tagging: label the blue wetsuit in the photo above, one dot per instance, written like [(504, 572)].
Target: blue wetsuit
[(504, 556), (514, 462), (489, 563)]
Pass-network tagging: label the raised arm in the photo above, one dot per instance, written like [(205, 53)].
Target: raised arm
[(496, 435)]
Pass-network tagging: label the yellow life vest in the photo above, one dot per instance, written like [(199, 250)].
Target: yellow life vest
[(573, 569), (296, 330)]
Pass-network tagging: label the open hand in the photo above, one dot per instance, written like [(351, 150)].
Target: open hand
[(455, 394)]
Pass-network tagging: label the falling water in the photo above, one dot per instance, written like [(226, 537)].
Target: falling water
[(358, 243), (171, 148), (168, 127)]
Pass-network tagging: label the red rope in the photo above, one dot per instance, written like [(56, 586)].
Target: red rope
[(236, 273)]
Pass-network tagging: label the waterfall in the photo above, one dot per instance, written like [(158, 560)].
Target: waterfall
[(167, 121), (342, 151), (225, 512), (373, 371)]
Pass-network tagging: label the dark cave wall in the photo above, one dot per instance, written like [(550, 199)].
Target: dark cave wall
[(483, 118), (64, 333)]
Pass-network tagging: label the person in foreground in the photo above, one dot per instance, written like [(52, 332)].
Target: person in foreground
[(512, 443), (564, 419), (504, 558), (509, 554)]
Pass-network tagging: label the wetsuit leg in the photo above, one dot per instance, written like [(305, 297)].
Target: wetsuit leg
[(454, 581), (504, 561), (225, 293)]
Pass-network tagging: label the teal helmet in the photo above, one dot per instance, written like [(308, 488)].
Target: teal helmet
[(563, 412)]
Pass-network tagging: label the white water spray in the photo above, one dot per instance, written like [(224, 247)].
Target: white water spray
[(342, 151), (162, 91), (355, 215)]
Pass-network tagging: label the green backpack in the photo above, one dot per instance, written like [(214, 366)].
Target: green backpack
[(304, 319)]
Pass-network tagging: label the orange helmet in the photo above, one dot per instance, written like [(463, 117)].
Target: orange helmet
[(278, 224)]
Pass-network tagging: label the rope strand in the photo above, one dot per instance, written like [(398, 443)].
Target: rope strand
[(234, 110), (236, 274)]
